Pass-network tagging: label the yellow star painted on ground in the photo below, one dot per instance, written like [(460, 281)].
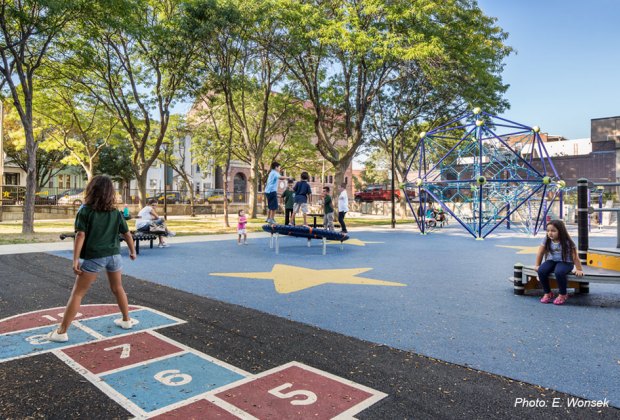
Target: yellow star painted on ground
[(289, 278), (354, 242), (522, 249)]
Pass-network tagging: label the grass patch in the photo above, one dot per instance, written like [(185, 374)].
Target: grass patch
[(49, 230)]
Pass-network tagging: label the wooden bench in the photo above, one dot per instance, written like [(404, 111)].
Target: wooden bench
[(136, 235), (525, 277)]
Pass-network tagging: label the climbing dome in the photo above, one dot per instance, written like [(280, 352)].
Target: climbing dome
[(485, 171)]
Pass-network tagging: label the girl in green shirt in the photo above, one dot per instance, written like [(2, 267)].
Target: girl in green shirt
[(97, 227)]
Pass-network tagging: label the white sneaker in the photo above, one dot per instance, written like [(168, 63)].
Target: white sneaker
[(238, 243), (165, 245), (245, 243), (171, 233), (56, 337), (126, 325)]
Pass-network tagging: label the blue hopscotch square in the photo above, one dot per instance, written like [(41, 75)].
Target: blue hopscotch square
[(148, 320), (23, 343), (158, 384)]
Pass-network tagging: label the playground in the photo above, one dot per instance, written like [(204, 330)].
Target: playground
[(393, 314)]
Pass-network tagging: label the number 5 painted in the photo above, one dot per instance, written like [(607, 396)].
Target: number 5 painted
[(311, 396)]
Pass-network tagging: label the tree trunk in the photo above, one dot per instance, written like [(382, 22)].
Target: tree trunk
[(31, 180), (141, 179), (255, 176), (226, 190)]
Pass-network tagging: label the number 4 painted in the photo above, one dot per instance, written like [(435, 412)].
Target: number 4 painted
[(124, 353), (310, 396)]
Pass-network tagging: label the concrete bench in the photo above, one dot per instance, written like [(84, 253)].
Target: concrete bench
[(525, 277), (136, 235)]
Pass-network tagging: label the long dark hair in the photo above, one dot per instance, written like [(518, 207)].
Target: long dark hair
[(568, 246), (100, 194)]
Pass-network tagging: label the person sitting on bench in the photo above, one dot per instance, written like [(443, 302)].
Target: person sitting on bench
[(148, 217)]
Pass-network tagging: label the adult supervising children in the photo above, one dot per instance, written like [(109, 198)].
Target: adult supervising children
[(97, 226), (271, 192)]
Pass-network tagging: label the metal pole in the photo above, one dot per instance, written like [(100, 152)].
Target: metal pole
[(582, 219), (165, 182), (393, 198), (1, 157)]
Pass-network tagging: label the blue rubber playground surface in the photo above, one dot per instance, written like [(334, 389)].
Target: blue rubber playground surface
[(444, 295)]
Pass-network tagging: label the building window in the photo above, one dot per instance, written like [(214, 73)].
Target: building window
[(346, 180), (197, 168), (64, 181), (11, 179), (331, 179), (312, 178), (51, 183)]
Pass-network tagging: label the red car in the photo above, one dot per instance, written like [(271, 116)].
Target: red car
[(376, 193)]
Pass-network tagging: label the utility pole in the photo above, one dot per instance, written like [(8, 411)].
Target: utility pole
[(1, 158)]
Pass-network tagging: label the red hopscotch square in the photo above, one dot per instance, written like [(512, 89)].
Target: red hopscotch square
[(198, 410), (53, 316), (102, 356), (317, 396)]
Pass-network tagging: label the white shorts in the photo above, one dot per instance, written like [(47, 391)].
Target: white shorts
[(303, 206), (241, 231)]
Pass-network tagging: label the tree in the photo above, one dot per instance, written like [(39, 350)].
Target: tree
[(137, 67), (81, 125), (177, 137), (115, 161), (344, 53), (49, 159), (27, 32)]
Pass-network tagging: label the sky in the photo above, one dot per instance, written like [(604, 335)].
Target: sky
[(566, 69)]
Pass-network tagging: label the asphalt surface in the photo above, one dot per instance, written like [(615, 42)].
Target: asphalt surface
[(416, 386)]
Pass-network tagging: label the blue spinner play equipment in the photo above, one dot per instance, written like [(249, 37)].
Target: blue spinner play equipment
[(484, 170)]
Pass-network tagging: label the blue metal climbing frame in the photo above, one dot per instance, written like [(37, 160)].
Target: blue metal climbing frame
[(484, 170)]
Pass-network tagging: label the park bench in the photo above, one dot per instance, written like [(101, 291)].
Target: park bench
[(137, 236), (525, 278)]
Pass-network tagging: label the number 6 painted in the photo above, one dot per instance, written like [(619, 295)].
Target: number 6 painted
[(311, 396), (173, 377)]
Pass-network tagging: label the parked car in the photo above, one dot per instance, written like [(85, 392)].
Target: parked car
[(74, 197), (172, 197), (376, 192), (216, 196)]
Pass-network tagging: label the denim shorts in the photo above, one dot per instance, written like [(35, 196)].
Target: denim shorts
[(111, 264)]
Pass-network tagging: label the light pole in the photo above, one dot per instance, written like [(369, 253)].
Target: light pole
[(1, 157), (165, 145), (394, 133), (393, 198)]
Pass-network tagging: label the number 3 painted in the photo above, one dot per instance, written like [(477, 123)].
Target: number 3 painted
[(311, 396), (173, 377)]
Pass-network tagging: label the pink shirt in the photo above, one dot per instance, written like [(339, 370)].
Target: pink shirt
[(242, 221)]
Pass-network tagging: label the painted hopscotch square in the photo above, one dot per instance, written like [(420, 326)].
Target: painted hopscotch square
[(201, 409), (160, 383), (115, 353), (25, 343), (298, 391), (149, 320)]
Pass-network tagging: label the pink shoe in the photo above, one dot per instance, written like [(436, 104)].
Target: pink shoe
[(547, 298), (560, 300)]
